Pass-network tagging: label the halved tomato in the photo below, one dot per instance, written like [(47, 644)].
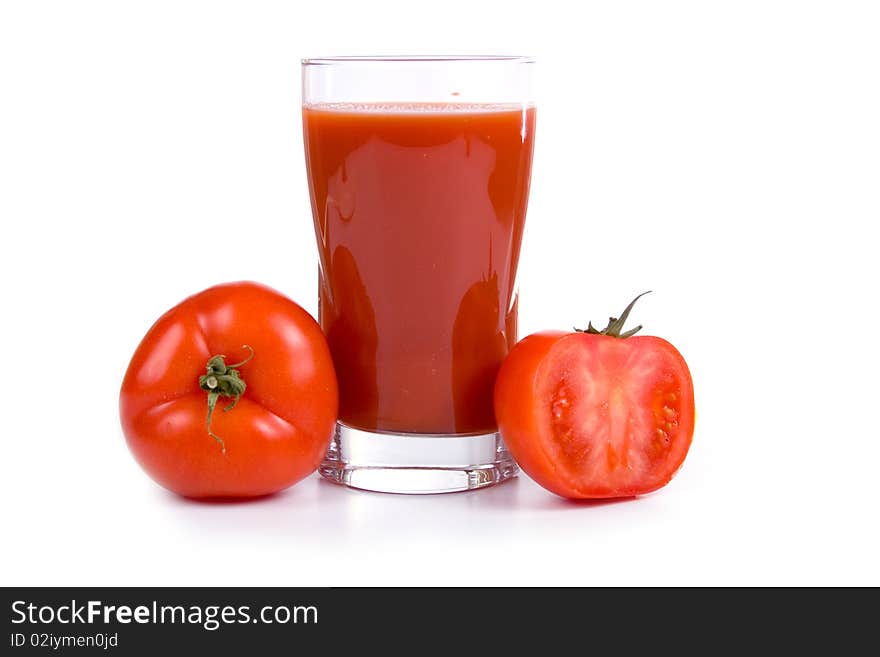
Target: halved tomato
[(596, 414)]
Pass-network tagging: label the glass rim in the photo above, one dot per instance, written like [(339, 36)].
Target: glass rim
[(414, 59)]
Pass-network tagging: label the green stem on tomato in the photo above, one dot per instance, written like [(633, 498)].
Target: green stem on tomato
[(615, 324), (222, 380)]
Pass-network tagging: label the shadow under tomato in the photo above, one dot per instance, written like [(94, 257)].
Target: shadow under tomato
[(225, 501), (553, 502), (605, 501), (532, 497)]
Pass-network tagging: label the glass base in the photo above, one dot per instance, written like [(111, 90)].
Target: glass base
[(416, 463)]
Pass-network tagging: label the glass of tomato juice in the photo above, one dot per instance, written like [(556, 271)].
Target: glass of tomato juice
[(418, 171)]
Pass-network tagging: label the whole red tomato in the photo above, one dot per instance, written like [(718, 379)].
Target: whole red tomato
[(231, 393), (596, 414)]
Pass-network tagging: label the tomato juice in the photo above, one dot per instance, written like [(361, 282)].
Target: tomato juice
[(419, 212)]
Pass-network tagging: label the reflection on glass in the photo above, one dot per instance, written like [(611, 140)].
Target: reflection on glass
[(350, 325)]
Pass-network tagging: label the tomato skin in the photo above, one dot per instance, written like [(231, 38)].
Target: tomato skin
[(626, 413), (281, 427), (515, 407)]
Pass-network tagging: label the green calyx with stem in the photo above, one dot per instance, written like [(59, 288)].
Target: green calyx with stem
[(222, 380), (615, 324)]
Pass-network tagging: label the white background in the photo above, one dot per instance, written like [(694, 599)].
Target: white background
[(724, 154)]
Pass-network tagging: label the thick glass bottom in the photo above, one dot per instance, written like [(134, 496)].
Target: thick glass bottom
[(416, 463)]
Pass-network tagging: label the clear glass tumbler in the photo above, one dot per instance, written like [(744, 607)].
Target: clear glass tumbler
[(419, 172)]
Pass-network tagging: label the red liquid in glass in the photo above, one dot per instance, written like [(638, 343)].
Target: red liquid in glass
[(419, 213)]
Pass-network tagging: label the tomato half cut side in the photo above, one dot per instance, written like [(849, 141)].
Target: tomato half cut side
[(590, 415), (615, 416)]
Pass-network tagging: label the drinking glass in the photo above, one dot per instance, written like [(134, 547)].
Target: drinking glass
[(419, 171)]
